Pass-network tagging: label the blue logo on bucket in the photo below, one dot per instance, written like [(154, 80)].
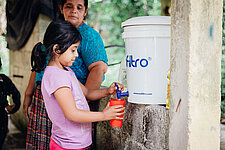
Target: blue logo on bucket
[(131, 62)]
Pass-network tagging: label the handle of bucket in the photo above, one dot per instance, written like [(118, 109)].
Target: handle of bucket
[(119, 93)]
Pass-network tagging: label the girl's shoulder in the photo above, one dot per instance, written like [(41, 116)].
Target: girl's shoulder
[(54, 78), (55, 72)]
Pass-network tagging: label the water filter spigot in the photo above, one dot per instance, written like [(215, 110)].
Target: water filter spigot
[(119, 93)]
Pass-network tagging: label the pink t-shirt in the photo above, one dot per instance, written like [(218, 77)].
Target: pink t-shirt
[(67, 134)]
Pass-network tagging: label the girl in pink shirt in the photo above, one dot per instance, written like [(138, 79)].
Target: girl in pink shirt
[(63, 94)]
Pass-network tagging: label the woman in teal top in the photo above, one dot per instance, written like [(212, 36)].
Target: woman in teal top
[(89, 67)]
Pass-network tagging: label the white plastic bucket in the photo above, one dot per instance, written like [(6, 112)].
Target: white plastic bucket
[(147, 44)]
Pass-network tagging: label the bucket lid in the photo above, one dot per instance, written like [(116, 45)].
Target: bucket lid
[(147, 20)]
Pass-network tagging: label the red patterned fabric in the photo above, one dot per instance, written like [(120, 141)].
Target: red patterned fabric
[(39, 127)]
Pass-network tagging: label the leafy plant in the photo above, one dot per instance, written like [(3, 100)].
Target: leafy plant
[(4, 55)]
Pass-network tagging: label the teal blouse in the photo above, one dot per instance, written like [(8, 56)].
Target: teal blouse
[(90, 50)]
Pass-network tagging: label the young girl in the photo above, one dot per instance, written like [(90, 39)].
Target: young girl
[(63, 94)]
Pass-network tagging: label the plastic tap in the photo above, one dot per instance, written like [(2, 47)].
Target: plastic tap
[(119, 93)]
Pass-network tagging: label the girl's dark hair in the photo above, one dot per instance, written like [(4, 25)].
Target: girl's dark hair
[(62, 2), (62, 33)]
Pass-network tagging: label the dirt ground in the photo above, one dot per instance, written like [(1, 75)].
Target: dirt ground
[(15, 139)]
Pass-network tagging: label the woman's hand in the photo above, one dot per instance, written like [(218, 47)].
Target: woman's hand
[(112, 89), (113, 112), (26, 104)]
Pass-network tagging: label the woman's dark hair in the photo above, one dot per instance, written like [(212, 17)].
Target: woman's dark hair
[(62, 2), (62, 33)]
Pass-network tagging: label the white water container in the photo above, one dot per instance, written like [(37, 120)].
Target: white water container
[(147, 44)]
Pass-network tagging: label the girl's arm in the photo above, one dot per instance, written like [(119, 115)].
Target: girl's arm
[(66, 101), (29, 93), (99, 93)]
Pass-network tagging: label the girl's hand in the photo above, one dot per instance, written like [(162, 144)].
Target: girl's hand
[(112, 89), (113, 112)]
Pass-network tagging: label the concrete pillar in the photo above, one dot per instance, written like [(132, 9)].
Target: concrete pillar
[(195, 74), (20, 64), (145, 127)]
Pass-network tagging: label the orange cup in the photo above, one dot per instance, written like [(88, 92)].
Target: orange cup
[(117, 122)]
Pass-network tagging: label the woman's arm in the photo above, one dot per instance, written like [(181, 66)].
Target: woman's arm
[(29, 93), (65, 99), (95, 77), (94, 56)]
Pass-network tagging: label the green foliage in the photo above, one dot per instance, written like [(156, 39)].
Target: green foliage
[(223, 67), (4, 54), (106, 17)]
